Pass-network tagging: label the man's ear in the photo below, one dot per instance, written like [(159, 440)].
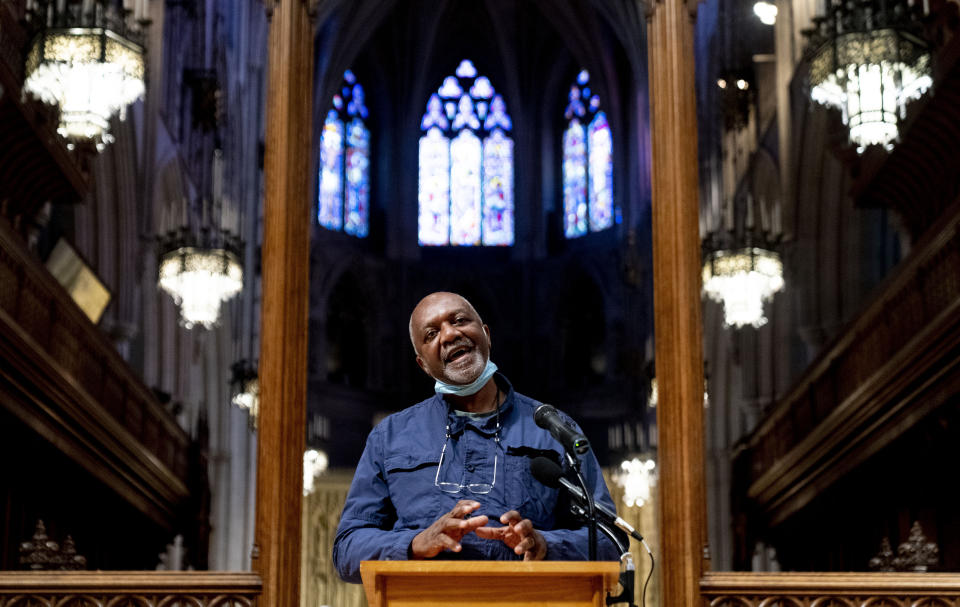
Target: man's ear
[(486, 329), (421, 365)]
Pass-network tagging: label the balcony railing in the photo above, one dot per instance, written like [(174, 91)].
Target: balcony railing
[(865, 389), (721, 589), (129, 588), (64, 379)]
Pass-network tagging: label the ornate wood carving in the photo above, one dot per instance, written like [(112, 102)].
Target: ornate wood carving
[(830, 589), (62, 377), (128, 588), (890, 367)]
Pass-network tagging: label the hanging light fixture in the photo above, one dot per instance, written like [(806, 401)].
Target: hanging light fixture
[(88, 60), (868, 60), (245, 382), (742, 280), (199, 263), (766, 12), (200, 271), (637, 477)]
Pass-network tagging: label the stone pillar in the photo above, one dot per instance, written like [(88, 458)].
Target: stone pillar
[(283, 350), (676, 296)]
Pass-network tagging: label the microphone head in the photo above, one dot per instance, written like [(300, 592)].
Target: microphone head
[(542, 414), (546, 471)]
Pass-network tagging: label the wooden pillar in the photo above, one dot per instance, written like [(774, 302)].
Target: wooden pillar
[(283, 324), (676, 298)]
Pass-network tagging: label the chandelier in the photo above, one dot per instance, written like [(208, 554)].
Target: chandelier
[(315, 463), (86, 60), (868, 60), (742, 280), (766, 12), (246, 389), (636, 476), (200, 271)]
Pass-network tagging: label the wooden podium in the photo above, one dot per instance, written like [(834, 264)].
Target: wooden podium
[(488, 583)]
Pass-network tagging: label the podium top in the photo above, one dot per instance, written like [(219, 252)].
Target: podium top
[(488, 583)]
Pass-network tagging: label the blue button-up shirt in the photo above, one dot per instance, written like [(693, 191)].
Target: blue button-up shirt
[(393, 496)]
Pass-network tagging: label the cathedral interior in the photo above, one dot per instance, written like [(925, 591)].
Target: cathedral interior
[(501, 150)]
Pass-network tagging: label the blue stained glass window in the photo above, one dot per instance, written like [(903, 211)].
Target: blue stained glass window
[(466, 164), (344, 189), (587, 163), (356, 212), (600, 145), (434, 197), (574, 180), (331, 169), (498, 189)]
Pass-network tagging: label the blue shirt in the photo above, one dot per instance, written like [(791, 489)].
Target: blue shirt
[(393, 496)]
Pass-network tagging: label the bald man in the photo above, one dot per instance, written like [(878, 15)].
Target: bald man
[(450, 476)]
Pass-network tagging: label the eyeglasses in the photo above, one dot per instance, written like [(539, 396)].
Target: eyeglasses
[(477, 488)]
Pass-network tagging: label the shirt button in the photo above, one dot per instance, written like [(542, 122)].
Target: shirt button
[(471, 467)]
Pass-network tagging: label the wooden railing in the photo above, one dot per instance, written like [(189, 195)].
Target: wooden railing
[(721, 589), (875, 380), (129, 588), (63, 378)]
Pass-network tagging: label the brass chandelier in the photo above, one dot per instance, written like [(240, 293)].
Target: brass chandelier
[(868, 60), (86, 58)]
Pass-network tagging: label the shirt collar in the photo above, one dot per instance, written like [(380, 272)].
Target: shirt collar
[(485, 426)]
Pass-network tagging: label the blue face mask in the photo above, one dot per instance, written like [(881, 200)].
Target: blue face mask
[(468, 389)]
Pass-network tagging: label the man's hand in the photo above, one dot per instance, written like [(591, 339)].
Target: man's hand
[(519, 534), (446, 531)]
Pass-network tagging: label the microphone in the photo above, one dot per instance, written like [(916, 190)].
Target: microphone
[(546, 417), (550, 474)]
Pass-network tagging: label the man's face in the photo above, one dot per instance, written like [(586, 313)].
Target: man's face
[(452, 343)]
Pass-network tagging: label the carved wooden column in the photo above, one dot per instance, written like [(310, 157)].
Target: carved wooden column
[(283, 350), (676, 298)]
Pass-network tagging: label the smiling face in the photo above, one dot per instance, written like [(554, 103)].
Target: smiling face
[(452, 343)]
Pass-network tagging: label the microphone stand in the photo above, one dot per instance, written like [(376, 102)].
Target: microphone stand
[(627, 595), (591, 512)]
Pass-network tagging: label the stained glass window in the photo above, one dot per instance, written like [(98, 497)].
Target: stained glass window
[(587, 163), (466, 164), (344, 191)]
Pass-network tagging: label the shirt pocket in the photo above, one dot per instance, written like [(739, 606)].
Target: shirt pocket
[(535, 500), (410, 479)]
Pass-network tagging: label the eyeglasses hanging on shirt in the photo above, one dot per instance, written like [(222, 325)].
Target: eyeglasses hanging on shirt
[(477, 488)]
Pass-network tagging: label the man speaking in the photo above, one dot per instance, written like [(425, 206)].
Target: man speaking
[(450, 477)]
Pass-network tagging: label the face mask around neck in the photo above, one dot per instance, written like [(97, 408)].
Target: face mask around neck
[(467, 389)]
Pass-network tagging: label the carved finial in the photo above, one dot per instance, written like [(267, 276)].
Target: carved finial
[(884, 559), (41, 553), (916, 554)]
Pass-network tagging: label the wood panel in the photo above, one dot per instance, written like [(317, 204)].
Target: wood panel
[(284, 314), (830, 589), (63, 378), (488, 583), (676, 299), (874, 381)]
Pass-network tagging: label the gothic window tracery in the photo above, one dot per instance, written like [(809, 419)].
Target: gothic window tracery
[(466, 164), (587, 163)]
